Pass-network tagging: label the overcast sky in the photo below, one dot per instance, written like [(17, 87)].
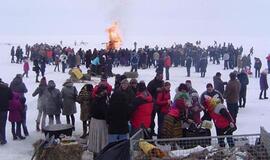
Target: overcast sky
[(164, 18)]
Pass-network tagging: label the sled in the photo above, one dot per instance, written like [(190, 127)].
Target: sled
[(78, 74)]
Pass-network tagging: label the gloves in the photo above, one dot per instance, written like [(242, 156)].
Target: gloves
[(232, 125)]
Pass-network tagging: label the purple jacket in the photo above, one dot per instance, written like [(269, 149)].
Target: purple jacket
[(15, 108), (263, 81)]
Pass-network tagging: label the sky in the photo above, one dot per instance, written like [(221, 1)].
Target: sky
[(146, 19)]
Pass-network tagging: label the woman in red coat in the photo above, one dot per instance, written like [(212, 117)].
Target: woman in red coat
[(164, 103), (142, 107)]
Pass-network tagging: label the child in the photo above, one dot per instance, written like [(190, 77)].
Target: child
[(15, 116), (25, 67)]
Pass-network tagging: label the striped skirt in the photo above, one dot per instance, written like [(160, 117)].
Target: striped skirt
[(171, 128)]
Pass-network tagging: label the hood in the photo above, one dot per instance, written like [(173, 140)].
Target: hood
[(17, 81)]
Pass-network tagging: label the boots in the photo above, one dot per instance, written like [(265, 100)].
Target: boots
[(37, 127), (84, 130)]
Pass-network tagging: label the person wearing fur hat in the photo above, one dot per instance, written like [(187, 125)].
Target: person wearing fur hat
[(126, 89), (85, 99), (69, 96), (224, 122)]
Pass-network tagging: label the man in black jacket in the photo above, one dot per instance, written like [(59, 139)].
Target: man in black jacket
[(218, 83), (5, 96), (153, 87)]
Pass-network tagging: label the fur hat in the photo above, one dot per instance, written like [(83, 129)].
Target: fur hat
[(182, 86)]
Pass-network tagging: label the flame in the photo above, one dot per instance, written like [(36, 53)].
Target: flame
[(115, 39)]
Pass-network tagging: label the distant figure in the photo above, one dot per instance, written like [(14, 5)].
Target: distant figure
[(243, 79), (12, 53), (263, 85), (257, 66), (25, 67), (268, 63)]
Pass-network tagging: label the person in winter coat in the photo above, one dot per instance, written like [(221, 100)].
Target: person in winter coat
[(156, 57), (211, 92), (243, 79), (133, 85), (188, 64), (231, 94), (134, 61), (17, 86), (195, 109), (163, 102), (141, 110), (12, 53), (69, 95), (43, 66), (103, 81), (118, 116), (41, 104), (15, 116), (5, 97), (36, 69), (203, 65), (218, 83), (85, 99), (226, 58), (190, 88), (125, 88), (63, 59), (54, 103), (268, 63), (98, 134), (257, 66), (167, 65), (25, 67), (263, 85), (224, 123), (173, 121), (153, 87)]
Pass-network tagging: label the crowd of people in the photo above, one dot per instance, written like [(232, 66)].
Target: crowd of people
[(116, 113), (102, 61)]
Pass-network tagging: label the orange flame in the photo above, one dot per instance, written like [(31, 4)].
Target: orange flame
[(115, 39)]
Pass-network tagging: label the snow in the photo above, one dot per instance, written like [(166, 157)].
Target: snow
[(248, 121)]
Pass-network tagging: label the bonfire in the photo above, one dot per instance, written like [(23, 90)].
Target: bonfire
[(115, 39)]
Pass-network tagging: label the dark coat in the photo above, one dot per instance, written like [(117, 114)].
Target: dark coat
[(263, 81), (258, 63), (188, 62), (153, 87), (203, 64), (18, 86), (219, 84), (5, 96), (243, 79), (118, 113), (100, 107)]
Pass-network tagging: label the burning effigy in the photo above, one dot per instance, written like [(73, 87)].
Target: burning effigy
[(115, 39)]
